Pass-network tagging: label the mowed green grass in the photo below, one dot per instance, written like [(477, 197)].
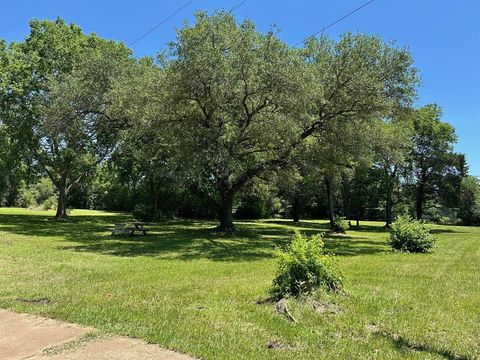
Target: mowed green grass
[(191, 289)]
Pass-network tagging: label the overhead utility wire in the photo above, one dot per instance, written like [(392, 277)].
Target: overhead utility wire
[(235, 7), (161, 23), (333, 23)]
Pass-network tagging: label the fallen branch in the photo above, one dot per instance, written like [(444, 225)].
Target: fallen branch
[(282, 308)]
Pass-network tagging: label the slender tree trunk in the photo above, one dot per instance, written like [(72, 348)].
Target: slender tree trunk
[(388, 204), (388, 211), (358, 218), (62, 200), (226, 217), (421, 195), (331, 214), (153, 190), (296, 208)]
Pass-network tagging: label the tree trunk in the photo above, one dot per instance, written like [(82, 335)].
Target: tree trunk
[(420, 200), (358, 218), (388, 204), (296, 208), (388, 211), (153, 190), (226, 218), (331, 214), (62, 200)]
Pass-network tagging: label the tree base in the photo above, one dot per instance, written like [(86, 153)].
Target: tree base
[(225, 229), (337, 231)]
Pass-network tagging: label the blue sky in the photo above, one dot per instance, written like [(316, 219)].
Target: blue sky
[(443, 37)]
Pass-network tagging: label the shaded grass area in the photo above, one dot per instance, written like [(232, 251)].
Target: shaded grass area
[(189, 288)]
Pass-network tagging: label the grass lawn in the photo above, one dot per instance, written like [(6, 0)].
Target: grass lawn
[(189, 288)]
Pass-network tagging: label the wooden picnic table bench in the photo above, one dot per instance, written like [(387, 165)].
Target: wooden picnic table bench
[(139, 226), (126, 230)]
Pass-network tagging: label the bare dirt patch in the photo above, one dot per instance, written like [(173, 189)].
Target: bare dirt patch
[(322, 307), (278, 345)]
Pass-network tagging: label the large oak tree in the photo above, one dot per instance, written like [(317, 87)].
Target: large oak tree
[(248, 100)]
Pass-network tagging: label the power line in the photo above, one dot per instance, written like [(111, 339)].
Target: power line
[(161, 23), (235, 7), (333, 23)]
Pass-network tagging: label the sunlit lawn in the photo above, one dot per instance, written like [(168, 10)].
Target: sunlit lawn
[(189, 288)]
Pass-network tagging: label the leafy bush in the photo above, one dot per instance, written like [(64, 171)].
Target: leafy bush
[(41, 194), (340, 225), (50, 203), (410, 235), (444, 220), (303, 267), (27, 196)]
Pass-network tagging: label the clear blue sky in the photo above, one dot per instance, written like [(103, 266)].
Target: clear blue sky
[(443, 36)]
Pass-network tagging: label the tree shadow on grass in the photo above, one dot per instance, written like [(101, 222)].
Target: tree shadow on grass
[(445, 231), (176, 239), (324, 226), (404, 344)]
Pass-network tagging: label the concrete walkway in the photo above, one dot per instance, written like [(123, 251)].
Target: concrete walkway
[(24, 336)]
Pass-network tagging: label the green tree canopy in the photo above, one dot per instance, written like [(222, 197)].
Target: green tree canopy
[(62, 95), (245, 100)]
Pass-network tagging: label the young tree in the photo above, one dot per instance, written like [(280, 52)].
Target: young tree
[(245, 100)]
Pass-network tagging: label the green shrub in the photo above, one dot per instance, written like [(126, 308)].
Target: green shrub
[(444, 220), (410, 235), (50, 203), (340, 225), (303, 267), (39, 195), (27, 196)]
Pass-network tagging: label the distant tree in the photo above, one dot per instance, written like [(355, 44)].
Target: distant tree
[(335, 153), (358, 189), (469, 204), (432, 158), (298, 182), (391, 146)]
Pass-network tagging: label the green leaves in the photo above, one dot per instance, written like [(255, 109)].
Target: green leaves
[(410, 235), (303, 268), (225, 105)]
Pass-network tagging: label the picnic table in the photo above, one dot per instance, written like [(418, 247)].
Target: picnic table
[(129, 228)]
